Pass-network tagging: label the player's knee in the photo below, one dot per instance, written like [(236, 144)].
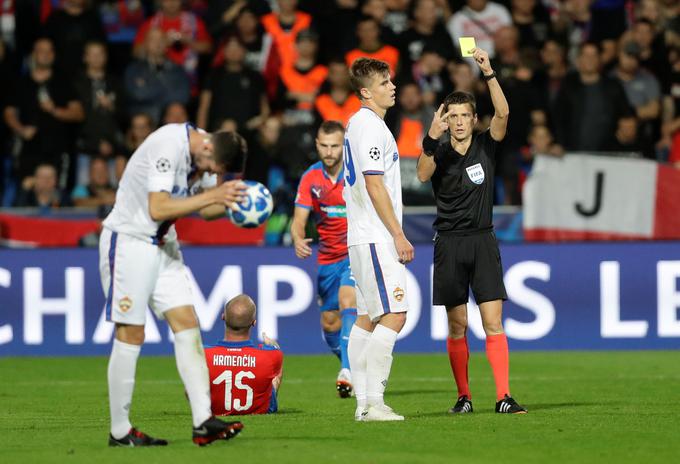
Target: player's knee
[(330, 321), (394, 321), (493, 327), (131, 334), (457, 327)]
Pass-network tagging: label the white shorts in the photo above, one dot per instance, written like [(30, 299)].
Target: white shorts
[(380, 279), (143, 275)]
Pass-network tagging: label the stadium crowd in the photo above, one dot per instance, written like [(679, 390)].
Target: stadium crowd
[(82, 83)]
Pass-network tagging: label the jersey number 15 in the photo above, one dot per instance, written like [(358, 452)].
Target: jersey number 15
[(229, 381)]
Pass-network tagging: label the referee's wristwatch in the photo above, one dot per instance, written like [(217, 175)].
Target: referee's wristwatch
[(429, 145), (488, 77)]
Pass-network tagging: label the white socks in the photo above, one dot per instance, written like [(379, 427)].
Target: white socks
[(356, 351), (378, 363), (193, 370), (121, 377)]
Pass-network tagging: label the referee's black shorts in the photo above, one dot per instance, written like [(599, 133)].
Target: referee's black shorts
[(464, 261)]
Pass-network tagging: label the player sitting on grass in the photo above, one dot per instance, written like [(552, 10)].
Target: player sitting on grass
[(244, 376)]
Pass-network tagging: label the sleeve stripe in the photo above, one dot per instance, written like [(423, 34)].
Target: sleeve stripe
[(373, 173), (300, 205)]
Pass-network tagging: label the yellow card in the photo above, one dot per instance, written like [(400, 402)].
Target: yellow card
[(466, 45)]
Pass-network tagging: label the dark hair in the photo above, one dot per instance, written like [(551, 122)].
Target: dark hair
[(328, 127), (363, 69), (230, 151), (460, 98)]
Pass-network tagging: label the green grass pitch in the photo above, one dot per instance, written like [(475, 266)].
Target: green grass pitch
[(611, 407)]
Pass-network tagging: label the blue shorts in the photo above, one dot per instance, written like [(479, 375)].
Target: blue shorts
[(331, 277)]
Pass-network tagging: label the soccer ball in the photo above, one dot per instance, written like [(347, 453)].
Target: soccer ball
[(255, 208)]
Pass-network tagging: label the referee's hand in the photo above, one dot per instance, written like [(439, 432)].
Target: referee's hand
[(440, 122), (404, 248)]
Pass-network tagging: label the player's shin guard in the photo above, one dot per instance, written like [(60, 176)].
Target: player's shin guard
[(121, 379), (459, 356), (194, 373), (497, 354), (349, 315), (379, 363), (333, 342), (356, 352)]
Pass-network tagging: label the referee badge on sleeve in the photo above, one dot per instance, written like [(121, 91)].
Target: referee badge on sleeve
[(475, 173)]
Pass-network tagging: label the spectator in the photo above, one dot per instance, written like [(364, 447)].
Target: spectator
[(397, 17), (653, 54), (479, 19), (233, 91), (642, 90), (670, 128), (186, 36), (573, 25), (141, 125), (121, 20), (507, 58), (222, 15), (40, 190), (265, 150), (39, 111), (98, 191), (301, 81), (427, 72), (337, 102), (103, 101), (409, 123), (370, 46), (70, 28), (626, 138), (175, 113), (589, 105), (258, 44), (154, 82), (532, 22), (377, 9), (283, 26), (427, 31), (552, 70)]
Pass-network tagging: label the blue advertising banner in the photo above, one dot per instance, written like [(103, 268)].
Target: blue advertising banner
[(561, 296)]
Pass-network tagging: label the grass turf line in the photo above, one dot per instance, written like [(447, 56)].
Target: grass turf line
[(583, 407)]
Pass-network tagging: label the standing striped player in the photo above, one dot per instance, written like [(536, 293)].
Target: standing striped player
[(378, 248), (320, 192)]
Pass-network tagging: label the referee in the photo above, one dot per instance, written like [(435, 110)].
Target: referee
[(466, 252)]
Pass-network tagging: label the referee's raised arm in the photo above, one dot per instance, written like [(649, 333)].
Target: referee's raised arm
[(426, 164), (499, 122)]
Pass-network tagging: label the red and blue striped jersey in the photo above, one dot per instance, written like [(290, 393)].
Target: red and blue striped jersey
[(317, 192)]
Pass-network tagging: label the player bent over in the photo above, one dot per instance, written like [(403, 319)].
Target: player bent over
[(320, 192), (244, 376), (140, 264), (466, 251), (378, 248)]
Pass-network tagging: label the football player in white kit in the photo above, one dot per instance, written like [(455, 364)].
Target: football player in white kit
[(172, 174), (378, 248)]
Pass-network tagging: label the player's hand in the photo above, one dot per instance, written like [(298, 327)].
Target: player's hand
[(482, 59), (269, 341), (404, 248), (302, 248), (229, 193), (439, 123)]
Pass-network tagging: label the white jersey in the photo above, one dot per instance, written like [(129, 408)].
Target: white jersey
[(162, 163), (369, 149)]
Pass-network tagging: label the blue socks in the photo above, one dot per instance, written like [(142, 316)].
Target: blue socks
[(348, 316), (333, 342)]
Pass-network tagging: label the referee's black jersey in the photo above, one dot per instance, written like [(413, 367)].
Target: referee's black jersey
[(463, 185)]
